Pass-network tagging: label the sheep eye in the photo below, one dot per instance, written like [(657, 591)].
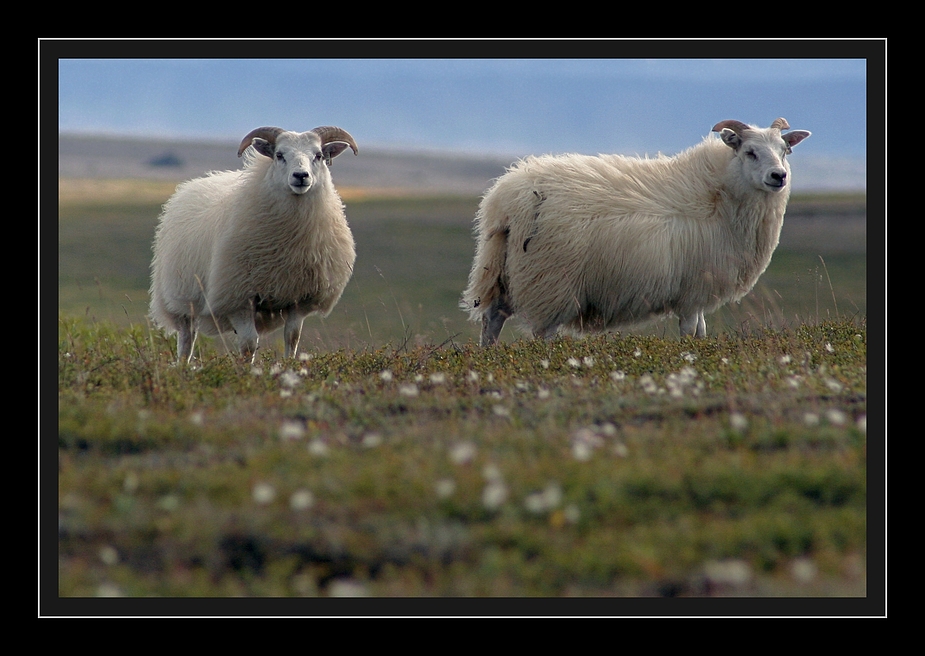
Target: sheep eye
[(280, 157), (751, 154)]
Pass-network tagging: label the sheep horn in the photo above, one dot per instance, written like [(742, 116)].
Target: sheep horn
[(330, 133), (780, 124), (736, 126), (265, 132)]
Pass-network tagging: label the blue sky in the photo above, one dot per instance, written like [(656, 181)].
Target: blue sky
[(476, 105)]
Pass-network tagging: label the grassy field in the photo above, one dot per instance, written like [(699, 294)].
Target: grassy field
[(397, 459)]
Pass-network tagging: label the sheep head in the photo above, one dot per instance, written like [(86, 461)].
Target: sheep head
[(761, 153), (300, 159)]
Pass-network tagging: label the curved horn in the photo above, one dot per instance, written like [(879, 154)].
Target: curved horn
[(780, 124), (329, 133), (736, 126), (268, 133)]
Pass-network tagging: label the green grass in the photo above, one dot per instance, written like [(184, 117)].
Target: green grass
[(398, 459), (531, 469)]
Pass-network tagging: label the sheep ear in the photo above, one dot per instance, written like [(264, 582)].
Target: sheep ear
[(730, 138), (333, 149), (263, 147), (795, 137)]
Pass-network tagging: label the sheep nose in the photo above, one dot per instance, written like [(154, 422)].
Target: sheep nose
[(779, 177), (300, 176)]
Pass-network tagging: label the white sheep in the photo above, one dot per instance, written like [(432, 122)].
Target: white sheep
[(608, 242), (254, 249)]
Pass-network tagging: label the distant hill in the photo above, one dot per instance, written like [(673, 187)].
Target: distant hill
[(83, 156)]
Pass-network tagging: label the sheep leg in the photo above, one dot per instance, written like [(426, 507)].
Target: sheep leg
[(246, 330), (292, 332), (493, 320), (694, 325), (186, 338)]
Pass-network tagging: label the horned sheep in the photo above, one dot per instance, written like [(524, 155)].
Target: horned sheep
[(593, 243), (254, 249)]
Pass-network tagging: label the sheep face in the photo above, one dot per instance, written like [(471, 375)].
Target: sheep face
[(761, 155), (300, 161)]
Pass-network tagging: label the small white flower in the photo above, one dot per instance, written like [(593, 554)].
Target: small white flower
[(501, 411), (289, 379), (638, 352), (472, 376), (836, 417), (291, 430), (811, 419), (371, 440), (738, 421), (574, 362), (317, 447), (784, 359), (263, 493), (588, 361), (687, 355), (494, 495), (544, 363), (617, 375), (543, 393), (385, 375), (462, 453), (438, 378), (301, 500), (305, 357), (445, 488), (833, 385), (408, 390), (620, 450), (795, 381), (829, 348)]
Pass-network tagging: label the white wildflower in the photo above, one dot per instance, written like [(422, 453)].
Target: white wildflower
[(811, 419), (494, 495), (305, 357), (620, 450), (648, 384), (547, 499), (445, 488), (574, 362), (543, 393), (836, 417), (687, 355), (638, 352), (738, 421), (371, 440), (462, 453), (408, 390), (544, 363), (829, 347), (301, 500), (784, 359), (794, 381), (472, 376), (588, 361), (317, 447), (438, 378), (385, 375), (501, 411), (291, 429), (109, 555), (617, 375), (263, 493), (198, 418), (833, 385)]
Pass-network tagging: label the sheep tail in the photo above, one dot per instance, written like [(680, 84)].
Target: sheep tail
[(486, 279)]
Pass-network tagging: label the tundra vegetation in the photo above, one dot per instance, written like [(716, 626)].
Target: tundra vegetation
[(396, 458)]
